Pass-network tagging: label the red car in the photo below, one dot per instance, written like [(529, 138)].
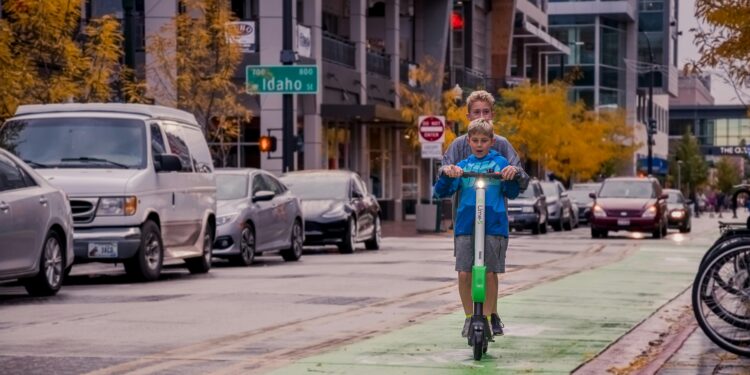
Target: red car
[(629, 203)]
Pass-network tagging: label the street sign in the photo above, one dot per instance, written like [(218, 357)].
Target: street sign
[(431, 128), (282, 79), (432, 150)]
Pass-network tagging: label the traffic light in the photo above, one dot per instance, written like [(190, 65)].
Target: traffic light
[(652, 126), (267, 143)]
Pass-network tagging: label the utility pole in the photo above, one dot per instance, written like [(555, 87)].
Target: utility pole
[(287, 105), (128, 7), (651, 126)]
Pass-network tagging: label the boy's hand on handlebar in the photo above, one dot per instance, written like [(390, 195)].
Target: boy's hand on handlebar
[(453, 171), (509, 172)]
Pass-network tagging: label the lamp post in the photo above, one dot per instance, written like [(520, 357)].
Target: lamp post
[(679, 175)]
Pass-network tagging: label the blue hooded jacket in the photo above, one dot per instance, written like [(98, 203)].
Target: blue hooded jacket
[(495, 194)]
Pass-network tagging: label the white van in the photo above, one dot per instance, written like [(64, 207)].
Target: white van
[(139, 178)]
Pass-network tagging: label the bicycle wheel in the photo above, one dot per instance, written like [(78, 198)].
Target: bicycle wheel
[(722, 315)]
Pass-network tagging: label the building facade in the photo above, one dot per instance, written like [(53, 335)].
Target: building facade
[(618, 47)]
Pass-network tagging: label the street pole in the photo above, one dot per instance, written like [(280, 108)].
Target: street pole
[(679, 175), (129, 32), (287, 105), (649, 129)]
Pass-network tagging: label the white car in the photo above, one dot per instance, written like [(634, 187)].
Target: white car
[(139, 177), (36, 228)]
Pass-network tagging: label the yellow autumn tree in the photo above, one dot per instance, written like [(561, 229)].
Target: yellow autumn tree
[(543, 125), (45, 57), (195, 63), (415, 102)]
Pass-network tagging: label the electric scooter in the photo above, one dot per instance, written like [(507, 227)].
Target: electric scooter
[(480, 333)]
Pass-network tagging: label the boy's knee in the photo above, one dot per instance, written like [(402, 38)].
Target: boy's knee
[(465, 276)]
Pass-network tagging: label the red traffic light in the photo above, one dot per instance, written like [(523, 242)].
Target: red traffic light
[(267, 143)]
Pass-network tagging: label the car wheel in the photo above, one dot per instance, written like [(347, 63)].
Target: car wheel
[(687, 227), (568, 225), (294, 252), (374, 242), (536, 228), (202, 264), (348, 243), (147, 262), (48, 280), (664, 228), (658, 232), (247, 247)]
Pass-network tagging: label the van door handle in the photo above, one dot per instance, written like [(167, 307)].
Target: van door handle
[(172, 198), (4, 207), (43, 201)]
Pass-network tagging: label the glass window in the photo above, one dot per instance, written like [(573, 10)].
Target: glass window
[(199, 153), (157, 140), (259, 183), (231, 186), (612, 47), (612, 78), (80, 142), (178, 146), (627, 189), (651, 21), (11, 177), (274, 185), (318, 187)]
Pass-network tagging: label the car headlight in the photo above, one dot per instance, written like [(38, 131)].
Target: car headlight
[(117, 206), (650, 212), (677, 214), (221, 220), (527, 209), (333, 214), (598, 211)]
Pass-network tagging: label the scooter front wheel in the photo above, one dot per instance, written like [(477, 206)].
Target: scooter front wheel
[(479, 344)]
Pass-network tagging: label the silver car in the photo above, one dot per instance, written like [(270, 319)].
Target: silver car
[(256, 213), (36, 228)]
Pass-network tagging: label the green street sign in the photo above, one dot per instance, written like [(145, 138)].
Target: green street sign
[(282, 79)]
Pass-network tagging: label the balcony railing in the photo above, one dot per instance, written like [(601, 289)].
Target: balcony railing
[(378, 63), (338, 50), (466, 77)]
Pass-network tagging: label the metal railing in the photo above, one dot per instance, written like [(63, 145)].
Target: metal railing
[(466, 77), (378, 63), (338, 50)]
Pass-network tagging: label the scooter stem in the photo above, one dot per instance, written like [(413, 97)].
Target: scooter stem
[(478, 275)]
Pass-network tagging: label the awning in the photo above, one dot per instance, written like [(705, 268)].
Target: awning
[(362, 113), (537, 37)]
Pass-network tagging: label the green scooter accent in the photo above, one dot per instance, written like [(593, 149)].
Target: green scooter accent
[(478, 283)]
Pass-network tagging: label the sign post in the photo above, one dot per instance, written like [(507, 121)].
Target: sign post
[(431, 136)]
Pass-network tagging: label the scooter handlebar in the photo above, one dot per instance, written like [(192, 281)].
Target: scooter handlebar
[(483, 175)]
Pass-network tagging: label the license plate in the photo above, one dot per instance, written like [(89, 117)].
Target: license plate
[(102, 250), (623, 222)]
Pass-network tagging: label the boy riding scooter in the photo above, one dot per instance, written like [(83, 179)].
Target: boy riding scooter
[(482, 160)]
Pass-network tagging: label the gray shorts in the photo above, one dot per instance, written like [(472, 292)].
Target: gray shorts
[(494, 255)]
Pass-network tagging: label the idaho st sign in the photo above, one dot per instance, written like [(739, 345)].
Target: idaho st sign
[(281, 79)]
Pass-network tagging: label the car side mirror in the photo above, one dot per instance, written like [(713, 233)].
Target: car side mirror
[(263, 195), (356, 195), (167, 163), (564, 194), (592, 195)]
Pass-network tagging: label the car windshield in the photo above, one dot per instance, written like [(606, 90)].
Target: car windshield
[(580, 196), (550, 189), (527, 194), (69, 142), (317, 187), (675, 197), (627, 189), (230, 186)]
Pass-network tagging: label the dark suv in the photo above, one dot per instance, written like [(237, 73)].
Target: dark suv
[(529, 210), (629, 203)]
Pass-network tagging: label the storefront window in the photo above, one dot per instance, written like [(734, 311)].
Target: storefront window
[(378, 161), (338, 140)]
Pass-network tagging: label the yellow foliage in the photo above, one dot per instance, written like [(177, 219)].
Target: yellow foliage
[(416, 102), (42, 60), (567, 139)]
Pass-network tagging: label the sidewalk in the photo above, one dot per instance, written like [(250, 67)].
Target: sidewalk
[(408, 228), (552, 328)]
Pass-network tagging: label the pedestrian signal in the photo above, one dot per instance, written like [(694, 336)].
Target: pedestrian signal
[(267, 143)]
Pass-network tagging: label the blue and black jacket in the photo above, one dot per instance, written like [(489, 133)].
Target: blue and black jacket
[(496, 192)]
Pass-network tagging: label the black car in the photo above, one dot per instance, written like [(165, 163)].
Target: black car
[(583, 201), (337, 208), (529, 210), (678, 210)]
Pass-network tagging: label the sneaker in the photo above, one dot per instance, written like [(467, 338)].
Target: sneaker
[(465, 330), (497, 325)]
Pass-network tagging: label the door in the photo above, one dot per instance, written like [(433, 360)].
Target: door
[(201, 188), (180, 228), (263, 213), (282, 211), (24, 213), (359, 199)]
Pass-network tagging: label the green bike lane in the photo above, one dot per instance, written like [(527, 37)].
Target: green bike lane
[(551, 328)]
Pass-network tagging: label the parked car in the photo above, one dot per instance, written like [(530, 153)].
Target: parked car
[(561, 215), (629, 203), (256, 213), (679, 211), (36, 229), (337, 208), (591, 186), (139, 177), (582, 200), (529, 210)]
